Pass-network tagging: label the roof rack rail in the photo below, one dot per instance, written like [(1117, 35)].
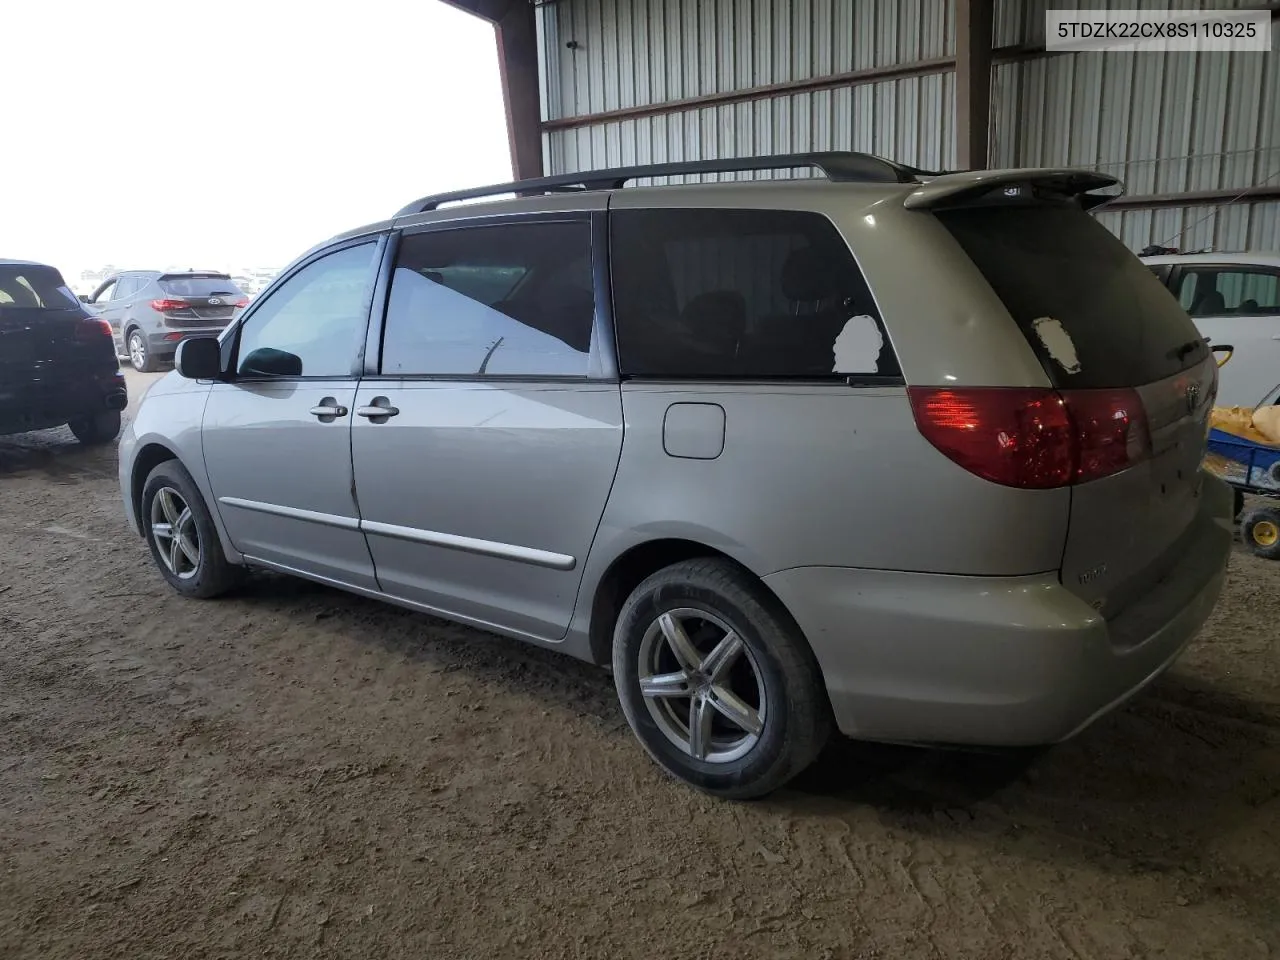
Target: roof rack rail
[(839, 166)]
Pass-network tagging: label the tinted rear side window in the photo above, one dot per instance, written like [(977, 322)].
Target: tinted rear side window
[(34, 287), (741, 294), (1094, 314), (200, 287)]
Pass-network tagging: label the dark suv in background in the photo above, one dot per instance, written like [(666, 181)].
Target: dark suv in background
[(151, 312), (57, 363)]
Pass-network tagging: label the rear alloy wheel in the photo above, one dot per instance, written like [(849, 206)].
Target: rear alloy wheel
[(717, 681), (139, 355), (181, 534), (96, 428), (712, 705)]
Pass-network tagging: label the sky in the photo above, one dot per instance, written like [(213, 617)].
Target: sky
[(228, 133)]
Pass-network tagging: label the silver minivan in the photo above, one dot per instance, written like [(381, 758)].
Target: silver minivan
[(911, 456)]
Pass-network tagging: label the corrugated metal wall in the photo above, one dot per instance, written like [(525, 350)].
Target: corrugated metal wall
[(1237, 226), (909, 119), (630, 53), (1164, 123), (633, 53), (1161, 122)]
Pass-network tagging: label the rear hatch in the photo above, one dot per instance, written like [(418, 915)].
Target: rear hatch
[(1136, 379), (199, 297), (46, 336)]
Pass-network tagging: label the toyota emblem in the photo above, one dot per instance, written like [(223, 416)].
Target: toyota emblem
[(215, 301), (1193, 397)]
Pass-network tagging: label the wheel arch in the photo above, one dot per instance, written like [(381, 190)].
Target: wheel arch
[(632, 566), (150, 456)]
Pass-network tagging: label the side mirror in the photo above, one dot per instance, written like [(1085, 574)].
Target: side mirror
[(269, 362), (199, 358), (84, 298)]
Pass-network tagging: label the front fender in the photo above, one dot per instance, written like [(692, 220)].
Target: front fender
[(168, 425)]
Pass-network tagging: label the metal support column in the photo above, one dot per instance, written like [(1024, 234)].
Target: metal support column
[(517, 35), (973, 82)]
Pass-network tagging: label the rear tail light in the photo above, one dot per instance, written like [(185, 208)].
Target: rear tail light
[(92, 328), (169, 306), (1111, 431), (1034, 438), (242, 302)]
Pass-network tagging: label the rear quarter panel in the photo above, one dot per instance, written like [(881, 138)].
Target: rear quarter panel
[(831, 475), (819, 475)]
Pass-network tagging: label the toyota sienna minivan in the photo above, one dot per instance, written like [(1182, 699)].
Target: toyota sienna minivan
[(911, 456)]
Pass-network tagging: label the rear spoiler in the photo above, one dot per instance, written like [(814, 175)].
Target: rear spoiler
[(195, 275), (982, 187)]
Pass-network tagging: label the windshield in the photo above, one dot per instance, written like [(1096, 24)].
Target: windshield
[(1093, 312), (33, 287), (200, 287)]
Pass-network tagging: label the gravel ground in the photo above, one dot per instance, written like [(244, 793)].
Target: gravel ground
[(297, 772)]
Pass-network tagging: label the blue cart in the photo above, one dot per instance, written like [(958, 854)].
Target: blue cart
[(1254, 468)]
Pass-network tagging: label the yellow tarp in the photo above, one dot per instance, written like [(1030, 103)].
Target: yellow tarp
[(1259, 426)]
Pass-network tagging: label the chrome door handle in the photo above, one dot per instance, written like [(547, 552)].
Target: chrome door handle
[(328, 410), (379, 410)]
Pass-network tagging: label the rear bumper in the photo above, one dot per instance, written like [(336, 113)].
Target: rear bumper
[(993, 660), (162, 347), (53, 403)]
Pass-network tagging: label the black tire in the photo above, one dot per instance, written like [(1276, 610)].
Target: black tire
[(796, 718), (1260, 530), (148, 363), (211, 574), (95, 429)]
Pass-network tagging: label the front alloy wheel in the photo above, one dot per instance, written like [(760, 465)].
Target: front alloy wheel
[(181, 534), (173, 528)]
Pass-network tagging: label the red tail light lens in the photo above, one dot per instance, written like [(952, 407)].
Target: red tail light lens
[(1111, 431), (169, 306), (91, 328), (1034, 438), (242, 302), (1016, 437)]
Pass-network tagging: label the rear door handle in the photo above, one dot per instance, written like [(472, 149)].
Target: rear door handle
[(328, 410), (379, 410)]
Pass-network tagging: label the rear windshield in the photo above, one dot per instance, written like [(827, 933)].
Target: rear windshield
[(1094, 314), (200, 287), (34, 287)]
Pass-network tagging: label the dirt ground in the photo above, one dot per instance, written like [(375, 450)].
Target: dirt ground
[(294, 772)]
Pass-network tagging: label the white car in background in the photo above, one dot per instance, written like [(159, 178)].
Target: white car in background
[(1233, 298)]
